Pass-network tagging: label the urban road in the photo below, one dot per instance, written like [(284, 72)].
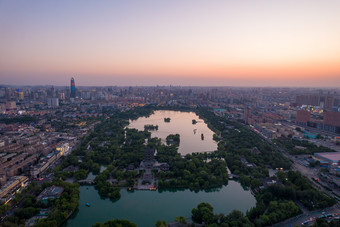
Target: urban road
[(333, 211), (309, 216), (309, 173)]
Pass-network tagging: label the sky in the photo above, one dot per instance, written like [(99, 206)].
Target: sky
[(192, 42)]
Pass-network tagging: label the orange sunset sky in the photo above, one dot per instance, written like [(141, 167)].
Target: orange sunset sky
[(196, 43)]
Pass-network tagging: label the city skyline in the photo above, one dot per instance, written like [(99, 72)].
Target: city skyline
[(171, 43)]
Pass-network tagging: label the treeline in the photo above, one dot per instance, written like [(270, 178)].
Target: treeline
[(115, 223), (204, 213), (290, 145), (275, 203), (238, 142), (275, 212), (296, 187)]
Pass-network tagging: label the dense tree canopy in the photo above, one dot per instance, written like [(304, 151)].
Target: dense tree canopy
[(116, 223), (244, 152)]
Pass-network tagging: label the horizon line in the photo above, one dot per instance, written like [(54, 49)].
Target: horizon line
[(210, 86)]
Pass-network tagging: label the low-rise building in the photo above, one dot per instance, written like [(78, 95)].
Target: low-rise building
[(63, 149), (50, 193), (13, 185), (332, 158), (43, 166)]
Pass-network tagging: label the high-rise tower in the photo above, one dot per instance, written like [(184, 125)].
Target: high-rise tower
[(73, 89), (247, 115)]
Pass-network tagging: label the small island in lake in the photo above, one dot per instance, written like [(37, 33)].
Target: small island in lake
[(151, 127), (173, 139), (167, 119)]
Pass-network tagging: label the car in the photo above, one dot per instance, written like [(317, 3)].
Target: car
[(305, 222)]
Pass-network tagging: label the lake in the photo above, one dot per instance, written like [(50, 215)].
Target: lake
[(180, 123), (146, 207)]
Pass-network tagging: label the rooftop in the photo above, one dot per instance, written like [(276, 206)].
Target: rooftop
[(332, 156)]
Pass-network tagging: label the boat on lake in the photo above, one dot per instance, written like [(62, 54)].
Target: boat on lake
[(88, 205)]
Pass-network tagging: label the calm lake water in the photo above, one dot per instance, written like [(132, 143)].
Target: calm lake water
[(180, 123), (146, 207)]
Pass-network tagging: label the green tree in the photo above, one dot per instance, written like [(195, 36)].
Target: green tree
[(255, 183), (80, 174), (181, 219), (161, 223), (116, 223), (203, 213)]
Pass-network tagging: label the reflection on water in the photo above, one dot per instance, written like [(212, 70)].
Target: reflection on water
[(180, 123), (146, 207)]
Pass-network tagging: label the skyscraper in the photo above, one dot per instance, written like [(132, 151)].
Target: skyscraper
[(73, 89), (302, 117), (247, 115)]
